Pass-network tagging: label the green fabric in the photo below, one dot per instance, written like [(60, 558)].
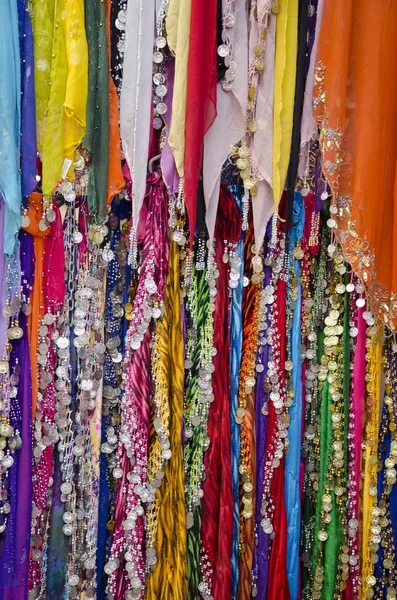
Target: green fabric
[(331, 548), (97, 136), (198, 315), (323, 457), (310, 501)]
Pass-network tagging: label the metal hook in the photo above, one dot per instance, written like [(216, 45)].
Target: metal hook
[(151, 161)]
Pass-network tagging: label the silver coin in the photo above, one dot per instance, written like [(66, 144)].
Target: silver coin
[(223, 50), (51, 216), (158, 57), (161, 108), (229, 75), (43, 330), (161, 91), (229, 20), (158, 78), (122, 16), (62, 342), (120, 26), (227, 85), (161, 42)]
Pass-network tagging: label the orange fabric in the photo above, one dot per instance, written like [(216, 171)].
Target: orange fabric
[(115, 174), (356, 109), (35, 213)]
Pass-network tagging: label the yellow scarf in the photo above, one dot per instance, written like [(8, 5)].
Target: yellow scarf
[(284, 92), (178, 31), (61, 82), (169, 578)]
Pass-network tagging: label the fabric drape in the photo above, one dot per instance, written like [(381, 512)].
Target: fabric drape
[(10, 113), (201, 94), (284, 92), (356, 110)]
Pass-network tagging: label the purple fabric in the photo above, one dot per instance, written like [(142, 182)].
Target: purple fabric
[(28, 105), (3, 278), (14, 560), (311, 32), (261, 548), (168, 168)]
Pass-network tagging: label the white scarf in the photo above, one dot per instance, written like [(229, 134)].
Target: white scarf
[(136, 96), (229, 125)]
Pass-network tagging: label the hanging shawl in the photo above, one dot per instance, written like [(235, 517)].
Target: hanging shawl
[(308, 125), (115, 173), (262, 146), (61, 65), (292, 459), (168, 167), (284, 92), (201, 97), (229, 125), (178, 28), (217, 516), (172, 581), (97, 140), (14, 560), (302, 49), (356, 109), (35, 214), (28, 108), (3, 280), (236, 342), (136, 96), (10, 112)]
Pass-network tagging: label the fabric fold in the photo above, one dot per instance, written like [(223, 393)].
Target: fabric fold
[(10, 111), (136, 94), (229, 125), (262, 145), (284, 92)]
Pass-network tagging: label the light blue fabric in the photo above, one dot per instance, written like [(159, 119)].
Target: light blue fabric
[(10, 121), (236, 341), (292, 462)]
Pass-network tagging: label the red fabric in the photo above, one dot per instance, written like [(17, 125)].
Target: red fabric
[(217, 503), (278, 580), (201, 97)]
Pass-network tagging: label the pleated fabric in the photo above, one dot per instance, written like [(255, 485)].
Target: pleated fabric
[(169, 578)]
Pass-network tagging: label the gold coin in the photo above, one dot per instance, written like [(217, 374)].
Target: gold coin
[(98, 238), (242, 163), (252, 126)]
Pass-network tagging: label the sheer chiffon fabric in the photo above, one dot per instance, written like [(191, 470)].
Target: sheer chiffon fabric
[(356, 110)]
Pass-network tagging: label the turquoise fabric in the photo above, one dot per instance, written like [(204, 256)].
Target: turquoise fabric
[(236, 341), (292, 461), (10, 119)]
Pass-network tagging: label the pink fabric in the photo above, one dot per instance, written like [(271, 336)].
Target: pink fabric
[(54, 264), (359, 391)]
